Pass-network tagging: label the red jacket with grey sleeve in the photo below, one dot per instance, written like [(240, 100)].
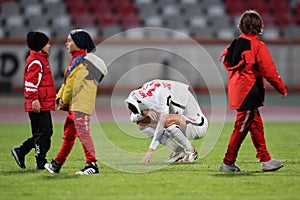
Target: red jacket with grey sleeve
[(38, 82), (249, 62)]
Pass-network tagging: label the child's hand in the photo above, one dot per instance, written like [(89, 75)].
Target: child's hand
[(36, 106), (62, 105), (284, 95)]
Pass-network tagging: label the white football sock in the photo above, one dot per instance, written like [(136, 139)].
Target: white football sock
[(173, 145), (176, 134), (149, 131)]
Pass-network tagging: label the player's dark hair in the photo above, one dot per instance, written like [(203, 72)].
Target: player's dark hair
[(251, 23)]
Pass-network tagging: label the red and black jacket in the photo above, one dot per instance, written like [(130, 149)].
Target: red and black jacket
[(38, 82), (249, 62)]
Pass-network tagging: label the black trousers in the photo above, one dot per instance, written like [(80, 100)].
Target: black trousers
[(42, 130)]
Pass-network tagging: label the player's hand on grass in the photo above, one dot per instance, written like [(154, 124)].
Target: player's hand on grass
[(147, 157)]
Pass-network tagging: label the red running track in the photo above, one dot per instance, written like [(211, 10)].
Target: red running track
[(15, 114)]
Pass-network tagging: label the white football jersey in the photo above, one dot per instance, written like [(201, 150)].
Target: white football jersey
[(163, 96)]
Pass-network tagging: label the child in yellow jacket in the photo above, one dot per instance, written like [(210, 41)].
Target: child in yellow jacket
[(77, 96)]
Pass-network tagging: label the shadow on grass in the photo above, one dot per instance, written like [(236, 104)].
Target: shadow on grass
[(237, 174), (21, 171), (60, 176), (41, 173)]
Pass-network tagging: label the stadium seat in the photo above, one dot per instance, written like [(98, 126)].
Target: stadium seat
[(55, 9), (190, 10), (154, 20), (175, 22), (215, 11), (36, 22), (200, 32), (189, 16), (85, 19), (2, 33), (170, 10), (129, 21), (110, 30), (192, 2), (292, 31), (271, 32), (14, 21), (145, 10), (61, 21), (157, 33), (61, 33), (137, 33), (198, 21), (10, 8), (18, 32), (106, 19), (31, 10), (225, 33)]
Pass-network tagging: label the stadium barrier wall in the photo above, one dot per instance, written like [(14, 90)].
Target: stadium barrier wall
[(136, 61)]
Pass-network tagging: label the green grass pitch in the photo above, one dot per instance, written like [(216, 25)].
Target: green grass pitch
[(120, 155)]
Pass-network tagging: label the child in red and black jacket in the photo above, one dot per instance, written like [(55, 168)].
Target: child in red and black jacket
[(39, 100), (248, 63)]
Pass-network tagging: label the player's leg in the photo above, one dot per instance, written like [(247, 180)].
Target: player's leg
[(43, 138), (175, 127), (82, 125), (243, 122), (196, 121), (258, 139), (68, 139), (177, 150), (67, 145), (19, 153)]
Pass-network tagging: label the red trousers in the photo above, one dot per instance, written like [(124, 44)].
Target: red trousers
[(76, 124), (247, 120)]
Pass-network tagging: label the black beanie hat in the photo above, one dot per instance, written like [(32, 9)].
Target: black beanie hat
[(36, 40), (83, 40)]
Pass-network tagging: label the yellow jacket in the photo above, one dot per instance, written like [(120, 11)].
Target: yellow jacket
[(77, 92)]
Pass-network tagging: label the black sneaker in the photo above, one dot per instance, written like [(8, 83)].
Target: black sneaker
[(40, 167), (53, 167), (89, 169), (20, 160)]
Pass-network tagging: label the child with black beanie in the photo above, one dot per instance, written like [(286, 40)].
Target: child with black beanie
[(39, 100)]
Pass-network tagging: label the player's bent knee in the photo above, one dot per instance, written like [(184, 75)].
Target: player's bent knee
[(174, 119)]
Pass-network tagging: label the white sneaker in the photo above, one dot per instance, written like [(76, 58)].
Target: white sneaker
[(189, 157), (89, 169), (229, 168), (175, 156), (272, 165)]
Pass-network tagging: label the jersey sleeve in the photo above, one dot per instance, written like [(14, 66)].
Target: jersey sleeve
[(268, 69), (136, 117), (157, 136), (32, 79), (162, 106)]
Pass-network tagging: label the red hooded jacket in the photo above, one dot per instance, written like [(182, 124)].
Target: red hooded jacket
[(249, 62), (38, 82)]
